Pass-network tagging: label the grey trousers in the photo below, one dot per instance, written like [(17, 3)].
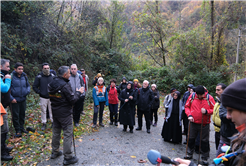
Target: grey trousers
[(67, 141), (205, 148)]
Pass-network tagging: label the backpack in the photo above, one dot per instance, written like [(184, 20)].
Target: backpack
[(193, 97), (97, 91)]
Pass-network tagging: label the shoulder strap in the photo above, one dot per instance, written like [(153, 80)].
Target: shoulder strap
[(207, 97), (193, 97)]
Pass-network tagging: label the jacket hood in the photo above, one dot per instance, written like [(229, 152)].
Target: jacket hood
[(57, 84), (124, 78)]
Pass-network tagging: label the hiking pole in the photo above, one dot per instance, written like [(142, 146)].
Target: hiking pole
[(187, 141), (74, 144), (200, 141)]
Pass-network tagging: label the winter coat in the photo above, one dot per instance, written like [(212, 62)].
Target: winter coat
[(100, 96), (184, 99), (40, 85), (5, 91), (86, 82), (193, 108), (127, 111), (169, 108), (123, 85), (76, 82), (145, 99), (62, 97), (167, 99), (216, 117), (20, 87), (112, 95), (227, 128), (156, 102)]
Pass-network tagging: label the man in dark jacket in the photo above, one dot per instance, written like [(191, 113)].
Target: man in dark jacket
[(76, 81), (40, 86), (62, 101), (5, 100), (184, 116), (20, 88), (145, 99)]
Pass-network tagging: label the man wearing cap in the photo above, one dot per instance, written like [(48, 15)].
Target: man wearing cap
[(199, 108), (184, 116), (20, 88), (40, 86)]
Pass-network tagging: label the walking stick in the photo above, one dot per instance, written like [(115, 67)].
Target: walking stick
[(74, 144), (187, 141), (200, 141)]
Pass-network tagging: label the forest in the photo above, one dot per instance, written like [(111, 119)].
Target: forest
[(170, 43)]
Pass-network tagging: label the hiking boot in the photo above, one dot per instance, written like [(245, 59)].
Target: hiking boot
[(53, 155), (203, 162), (76, 124), (101, 124), (148, 131), (24, 131), (73, 160), (111, 123), (188, 157), (185, 142), (9, 149), (124, 130), (43, 127), (138, 128), (131, 131), (18, 135), (94, 126), (6, 157), (155, 124)]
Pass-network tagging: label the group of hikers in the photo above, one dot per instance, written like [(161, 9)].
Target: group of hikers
[(62, 95)]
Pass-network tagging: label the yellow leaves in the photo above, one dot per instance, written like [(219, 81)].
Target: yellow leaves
[(133, 157), (80, 140), (172, 148)]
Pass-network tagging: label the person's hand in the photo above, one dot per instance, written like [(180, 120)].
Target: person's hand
[(191, 119), (126, 100), (97, 106), (203, 110), (7, 76), (81, 90), (182, 162), (130, 97), (13, 101)]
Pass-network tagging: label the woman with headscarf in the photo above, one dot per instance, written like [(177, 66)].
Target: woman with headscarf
[(126, 112), (172, 128)]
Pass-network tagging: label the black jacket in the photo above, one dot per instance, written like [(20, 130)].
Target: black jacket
[(127, 111), (40, 85), (227, 128), (62, 97), (156, 102), (145, 99)]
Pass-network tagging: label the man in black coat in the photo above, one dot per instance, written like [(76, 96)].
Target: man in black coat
[(62, 101), (145, 99), (40, 86)]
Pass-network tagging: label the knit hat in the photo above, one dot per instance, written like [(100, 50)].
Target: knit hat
[(135, 80), (100, 78), (234, 95), (154, 85)]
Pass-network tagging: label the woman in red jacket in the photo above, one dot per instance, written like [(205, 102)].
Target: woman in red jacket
[(113, 102)]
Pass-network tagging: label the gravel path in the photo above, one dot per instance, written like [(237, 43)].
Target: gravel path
[(112, 146)]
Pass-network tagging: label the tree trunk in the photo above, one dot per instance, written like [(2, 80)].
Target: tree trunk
[(212, 32)]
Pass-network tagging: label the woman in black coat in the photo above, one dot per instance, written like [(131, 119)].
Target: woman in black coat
[(127, 113), (172, 129), (155, 106)]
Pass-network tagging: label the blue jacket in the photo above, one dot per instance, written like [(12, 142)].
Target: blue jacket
[(97, 98), (184, 99), (20, 87), (5, 85)]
